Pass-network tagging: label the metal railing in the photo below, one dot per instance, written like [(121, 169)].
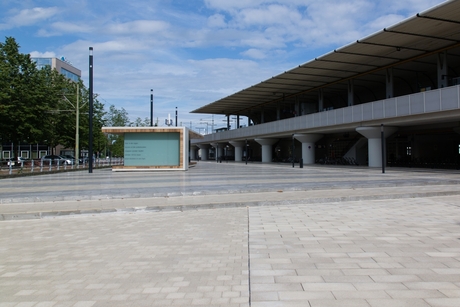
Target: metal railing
[(11, 167), (437, 103)]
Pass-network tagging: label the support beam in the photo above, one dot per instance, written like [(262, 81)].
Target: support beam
[(204, 151), (193, 149), (442, 70), (266, 149), (320, 100), (389, 83), (373, 135), (351, 93), (219, 149), (308, 146), (239, 146)]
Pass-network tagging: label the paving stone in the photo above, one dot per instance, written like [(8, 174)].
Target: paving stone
[(297, 247)]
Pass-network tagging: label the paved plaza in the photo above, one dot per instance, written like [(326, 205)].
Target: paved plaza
[(230, 234)]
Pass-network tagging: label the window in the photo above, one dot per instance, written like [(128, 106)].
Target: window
[(42, 62), (69, 75)]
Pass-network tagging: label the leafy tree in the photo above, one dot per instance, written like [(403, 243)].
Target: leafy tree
[(116, 118), (141, 123), (39, 106), (23, 101)]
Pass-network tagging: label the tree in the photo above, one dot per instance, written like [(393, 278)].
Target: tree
[(116, 118), (39, 105), (142, 123), (22, 100)]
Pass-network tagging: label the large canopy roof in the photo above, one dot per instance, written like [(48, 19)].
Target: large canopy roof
[(408, 45)]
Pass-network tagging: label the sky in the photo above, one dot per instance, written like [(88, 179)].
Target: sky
[(191, 52)]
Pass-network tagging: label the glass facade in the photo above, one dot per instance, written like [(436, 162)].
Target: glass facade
[(69, 75), (57, 64), (42, 62)]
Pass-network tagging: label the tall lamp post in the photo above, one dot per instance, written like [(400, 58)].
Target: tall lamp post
[(151, 107), (90, 147)]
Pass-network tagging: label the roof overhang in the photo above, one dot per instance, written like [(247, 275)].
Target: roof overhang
[(425, 34)]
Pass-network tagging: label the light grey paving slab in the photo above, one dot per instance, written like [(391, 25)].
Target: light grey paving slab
[(377, 271), (222, 235), (127, 258)]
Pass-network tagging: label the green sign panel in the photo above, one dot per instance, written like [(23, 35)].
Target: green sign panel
[(152, 149)]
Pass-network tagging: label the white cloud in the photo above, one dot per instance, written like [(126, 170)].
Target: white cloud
[(191, 54), (410, 6), (68, 27), (217, 21), (137, 27), (254, 53), (46, 54), (268, 16), (234, 4), (28, 17), (384, 22)]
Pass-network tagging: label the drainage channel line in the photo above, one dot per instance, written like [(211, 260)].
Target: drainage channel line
[(249, 263)]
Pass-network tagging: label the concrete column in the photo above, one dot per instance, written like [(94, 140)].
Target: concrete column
[(374, 142), (204, 148), (219, 149), (266, 149), (351, 93), (239, 145), (193, 149), (308, 146), (442, 69), (320, 100), (297, 106), (389, 83)]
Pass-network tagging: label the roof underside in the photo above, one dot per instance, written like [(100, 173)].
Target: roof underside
[(407, 46)]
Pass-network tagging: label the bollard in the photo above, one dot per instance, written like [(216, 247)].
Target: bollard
[(301, 163)]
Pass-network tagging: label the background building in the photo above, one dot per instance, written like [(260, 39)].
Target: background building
[(61, 65)]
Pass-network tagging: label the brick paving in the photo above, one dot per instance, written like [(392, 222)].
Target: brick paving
[(213, 237)]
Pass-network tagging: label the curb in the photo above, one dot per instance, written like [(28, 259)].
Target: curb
[(182, 208)]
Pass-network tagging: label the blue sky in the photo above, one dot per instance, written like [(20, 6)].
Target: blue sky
[(191, 52)]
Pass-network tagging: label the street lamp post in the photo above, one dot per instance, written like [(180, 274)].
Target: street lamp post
[(151, 107), (77, 123), (90, 147)]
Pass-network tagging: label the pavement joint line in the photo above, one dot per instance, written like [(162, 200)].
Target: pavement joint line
[(215, 205)]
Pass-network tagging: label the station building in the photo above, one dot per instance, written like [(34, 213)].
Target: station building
[(400, 85)]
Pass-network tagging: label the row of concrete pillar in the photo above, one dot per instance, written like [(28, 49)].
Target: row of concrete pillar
[(308, 140)]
